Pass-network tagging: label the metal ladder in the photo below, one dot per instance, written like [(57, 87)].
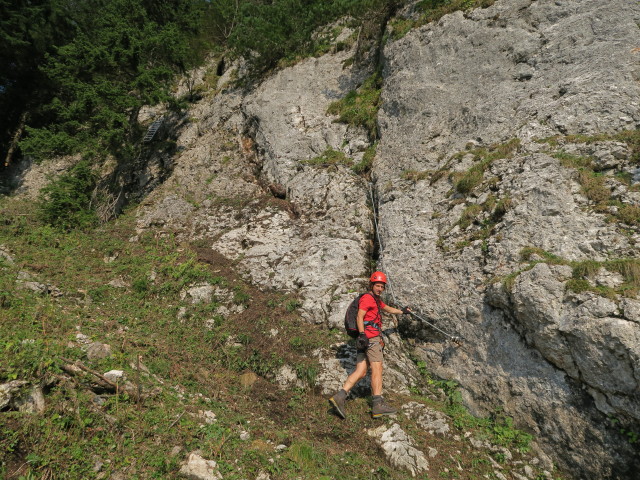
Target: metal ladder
[(153, 128)]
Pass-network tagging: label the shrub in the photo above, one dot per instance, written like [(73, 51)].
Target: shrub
[(469, 180), (469, 215), (502, 207), (329, 157), (367, 161), (593, 187), (360, 107), (629, 214), (585, 269), (66, 201), (415, 176), (465, 182)]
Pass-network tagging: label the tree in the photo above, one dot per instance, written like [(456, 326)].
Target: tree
[(124, 55), (29, 30)]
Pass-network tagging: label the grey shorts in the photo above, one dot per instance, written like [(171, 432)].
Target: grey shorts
[(373, 353)]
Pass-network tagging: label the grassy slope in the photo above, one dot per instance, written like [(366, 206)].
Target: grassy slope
[(193, 368)]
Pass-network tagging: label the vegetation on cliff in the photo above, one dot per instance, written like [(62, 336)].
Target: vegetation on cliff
[(74, 76)]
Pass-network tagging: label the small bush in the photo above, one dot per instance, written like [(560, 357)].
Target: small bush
[(240, 297), (66, 201), (401, 26), (367, 161), (415, 176), (469, 215), (593, 187), (502, 207), (360, 107), (292, 305), (578, 285), (469, 180), (585, 269), (329, 157), (629, 214)]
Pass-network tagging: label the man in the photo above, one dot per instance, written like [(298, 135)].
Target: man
[(369, 346)]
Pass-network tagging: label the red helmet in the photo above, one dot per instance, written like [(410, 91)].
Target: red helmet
[(378, 277)]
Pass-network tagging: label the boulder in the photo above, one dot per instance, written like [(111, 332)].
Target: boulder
[(400, 449), (198, 468)]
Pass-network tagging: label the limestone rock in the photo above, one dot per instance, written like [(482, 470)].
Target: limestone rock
[(98, 351), (527, 70), (432, 421), (286, 377), (631, 309), (400, 448), (5, 255), (198, 468), (198, 293), (208, 416), (118, 283), (18, 395), (8, 391), (115, 376)]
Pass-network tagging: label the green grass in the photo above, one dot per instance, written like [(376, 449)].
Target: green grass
[(194, 362), (328, 158), (469, 215), (582, 271), (364, 166), (466, 182), (360, 107), (594, 184), (629, 214), (630, 137), (498, 428)]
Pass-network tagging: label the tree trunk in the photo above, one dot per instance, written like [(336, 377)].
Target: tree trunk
[(15, 139)]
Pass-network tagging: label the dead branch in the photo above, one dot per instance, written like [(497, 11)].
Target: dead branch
[(104, 379)]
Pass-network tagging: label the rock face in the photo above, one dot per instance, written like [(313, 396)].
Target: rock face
[(560, 362), (241, 183)]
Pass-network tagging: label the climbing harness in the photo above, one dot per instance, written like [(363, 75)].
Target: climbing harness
[(456, 339)]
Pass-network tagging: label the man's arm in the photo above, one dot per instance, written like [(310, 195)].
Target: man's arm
[(395, 311), (360, 319)]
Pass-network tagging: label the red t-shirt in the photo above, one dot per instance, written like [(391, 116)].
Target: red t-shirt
[(368, 304)]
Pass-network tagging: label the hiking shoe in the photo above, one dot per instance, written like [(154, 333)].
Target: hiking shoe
[(380, 408), (338, 401)]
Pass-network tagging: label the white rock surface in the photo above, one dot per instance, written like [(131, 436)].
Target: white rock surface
[(400, 449), (198, 468)]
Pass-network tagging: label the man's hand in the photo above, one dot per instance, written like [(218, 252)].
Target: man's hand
[(406, 310), (362, 342)]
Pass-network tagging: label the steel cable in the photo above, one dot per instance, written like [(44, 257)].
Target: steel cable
[(377, 229)]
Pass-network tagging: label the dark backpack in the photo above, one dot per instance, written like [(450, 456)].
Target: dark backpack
[(351, 316)]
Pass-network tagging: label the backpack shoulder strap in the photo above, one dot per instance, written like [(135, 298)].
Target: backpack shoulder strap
[(377, 304)]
